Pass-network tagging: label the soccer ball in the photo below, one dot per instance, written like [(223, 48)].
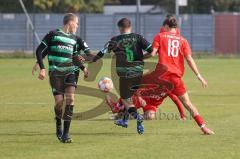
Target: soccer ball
[(105, 84)]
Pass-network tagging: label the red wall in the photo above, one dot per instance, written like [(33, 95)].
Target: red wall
[(227, 34)]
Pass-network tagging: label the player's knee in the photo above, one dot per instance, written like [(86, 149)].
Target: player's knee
[(187, 103), (70, 100), (59, 103)]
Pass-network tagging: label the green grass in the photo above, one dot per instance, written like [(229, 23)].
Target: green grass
[(27, 125)]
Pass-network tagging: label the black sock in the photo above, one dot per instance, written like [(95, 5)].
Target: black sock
[(133, 112), (67, 117), (66, 126), (58, 116), (125, 115)]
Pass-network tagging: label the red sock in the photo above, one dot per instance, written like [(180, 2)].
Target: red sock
[(178, 104), (199, 120)]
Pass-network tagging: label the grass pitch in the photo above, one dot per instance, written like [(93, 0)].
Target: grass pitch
[(27, 125)]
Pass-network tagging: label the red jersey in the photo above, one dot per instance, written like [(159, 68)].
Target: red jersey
[(152, 103), (172, 48)]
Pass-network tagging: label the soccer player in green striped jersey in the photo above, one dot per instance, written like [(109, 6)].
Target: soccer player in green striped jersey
[(81, 46), (61, 45), (128, 48)]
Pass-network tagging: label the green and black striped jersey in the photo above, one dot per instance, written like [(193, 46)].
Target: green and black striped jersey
[(82, 45), (60, 47), (129, 50)]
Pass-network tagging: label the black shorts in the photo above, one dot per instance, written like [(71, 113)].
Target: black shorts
[(128, 86), (59, 82)]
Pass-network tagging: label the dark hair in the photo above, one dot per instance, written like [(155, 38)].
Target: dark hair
[(124, 23), (171, 21), (168, 16), (68, 17)]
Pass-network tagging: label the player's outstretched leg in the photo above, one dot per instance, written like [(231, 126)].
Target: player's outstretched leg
[(194, 113), (115, 107), (110, 102)]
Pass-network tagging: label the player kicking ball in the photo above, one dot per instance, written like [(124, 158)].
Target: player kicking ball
[(172, 50), (128, 48), (148, 104), (149, 96)]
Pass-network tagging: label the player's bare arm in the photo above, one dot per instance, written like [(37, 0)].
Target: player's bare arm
[(194, 68), (154, 52), (35, 68)]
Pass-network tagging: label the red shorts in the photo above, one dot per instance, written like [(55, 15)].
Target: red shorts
[(179, 86), (148, 107)]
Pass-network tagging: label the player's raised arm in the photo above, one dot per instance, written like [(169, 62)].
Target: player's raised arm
[(107, 49), (99, 55)]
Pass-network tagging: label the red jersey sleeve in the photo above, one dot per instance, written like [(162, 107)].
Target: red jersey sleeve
[(186, 48), (156, 42)]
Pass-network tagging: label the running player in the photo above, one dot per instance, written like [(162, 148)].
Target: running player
[(172, 49), (128, 48), (61, 45)]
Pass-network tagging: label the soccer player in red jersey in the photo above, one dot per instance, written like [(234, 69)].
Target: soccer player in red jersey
[(149, 96), (172, 50), (148, 104)]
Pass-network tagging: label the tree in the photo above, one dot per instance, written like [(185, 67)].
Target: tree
[(43, 5), (13, 6), (96, 6), (58, 6)]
